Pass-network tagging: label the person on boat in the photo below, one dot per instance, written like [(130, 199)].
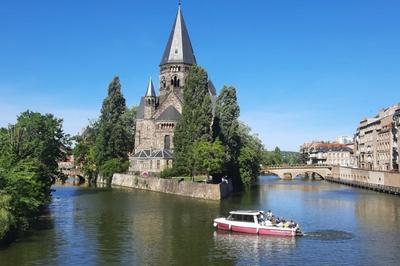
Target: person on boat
[(292, 224), (269, 215), (287, 224), (268, 223), (260, 219)]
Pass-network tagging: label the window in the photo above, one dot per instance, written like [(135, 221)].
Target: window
[(167, 142), (158, 164), (241, 218)]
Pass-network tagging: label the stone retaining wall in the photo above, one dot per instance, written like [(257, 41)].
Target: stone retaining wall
[(174, 186), (376, 180)]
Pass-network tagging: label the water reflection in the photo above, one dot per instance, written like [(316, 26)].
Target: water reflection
[(257, 248), (132, 227)]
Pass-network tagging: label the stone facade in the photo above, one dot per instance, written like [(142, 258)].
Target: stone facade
[(158, 115), (376, 141), (378, 180), (175, 186), (332, 153)]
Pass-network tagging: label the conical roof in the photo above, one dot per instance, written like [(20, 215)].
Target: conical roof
[(150, 90), (179, 48)]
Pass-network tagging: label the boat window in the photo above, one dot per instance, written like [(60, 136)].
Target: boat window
[(241, 218), (249, 218)]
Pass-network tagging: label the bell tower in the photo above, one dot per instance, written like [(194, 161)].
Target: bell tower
[(177, 58)]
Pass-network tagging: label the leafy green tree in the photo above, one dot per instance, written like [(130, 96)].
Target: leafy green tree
[(251, 155), (85, 152), (226, 129), (129, 119), (29, 151), (7, 219), (277, 156), (114, 139), (195, 122), (113, 166), (290, 157), (208, 156)]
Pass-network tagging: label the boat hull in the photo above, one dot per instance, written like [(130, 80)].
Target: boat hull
[(260, 230)]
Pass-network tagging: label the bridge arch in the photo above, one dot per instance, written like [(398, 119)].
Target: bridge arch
[(290, 172)]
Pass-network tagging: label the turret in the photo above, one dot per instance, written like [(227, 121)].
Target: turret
[(150, 99)]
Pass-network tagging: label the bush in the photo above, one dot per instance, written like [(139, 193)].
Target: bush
[(7, 220), (173, 172), (110, 167)]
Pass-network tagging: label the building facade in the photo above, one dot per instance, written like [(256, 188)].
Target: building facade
[(376, 141), (159, 113), (332, 153)]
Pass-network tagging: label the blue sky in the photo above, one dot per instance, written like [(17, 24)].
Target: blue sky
[(303, 69)]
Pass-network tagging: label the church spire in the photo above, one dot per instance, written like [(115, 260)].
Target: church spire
[(179, 48), (150, 92)]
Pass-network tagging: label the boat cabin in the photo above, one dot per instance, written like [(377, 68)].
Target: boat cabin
[(246, 216)]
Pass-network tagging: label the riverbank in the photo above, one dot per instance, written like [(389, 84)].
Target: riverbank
[(174, 186), (381, 181)]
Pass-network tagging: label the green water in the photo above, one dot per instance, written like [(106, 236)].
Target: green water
[(98, 226)]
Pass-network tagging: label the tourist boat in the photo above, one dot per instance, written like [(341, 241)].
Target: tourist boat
[(254, 222)]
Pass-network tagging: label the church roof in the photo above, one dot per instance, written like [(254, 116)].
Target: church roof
[(150, 92), (179, 48), (140, 111), (169, 114), (211, 88)]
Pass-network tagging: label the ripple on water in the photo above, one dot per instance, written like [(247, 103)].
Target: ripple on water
[(328, 235)]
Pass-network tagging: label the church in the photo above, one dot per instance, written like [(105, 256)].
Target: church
[(158, 114)]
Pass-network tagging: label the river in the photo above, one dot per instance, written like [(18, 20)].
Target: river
[(103, 226)]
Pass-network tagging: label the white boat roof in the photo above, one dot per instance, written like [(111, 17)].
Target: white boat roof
[(246, 212)]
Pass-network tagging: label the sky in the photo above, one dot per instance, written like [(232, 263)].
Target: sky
[(303, 69)]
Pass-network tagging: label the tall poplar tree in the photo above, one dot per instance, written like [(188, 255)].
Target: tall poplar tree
[(196, 119), (113, 141), (226, 129)]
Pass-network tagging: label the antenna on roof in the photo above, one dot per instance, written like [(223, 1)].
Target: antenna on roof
[(179, 2)]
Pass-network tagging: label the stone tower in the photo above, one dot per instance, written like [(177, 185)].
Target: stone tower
[(157, 116), (177, 58)]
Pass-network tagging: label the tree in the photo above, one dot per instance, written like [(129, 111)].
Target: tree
[(114, 139), (208, 156), (196, 119), (251, 155), (277, 156), (107, 141), (85, 151), (113, 166), (226, 129), (129, 119), (29, 151)]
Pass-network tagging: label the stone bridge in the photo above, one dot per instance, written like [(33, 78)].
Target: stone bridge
[(291, 171)]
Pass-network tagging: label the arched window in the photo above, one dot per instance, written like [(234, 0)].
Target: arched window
[(167, 142)]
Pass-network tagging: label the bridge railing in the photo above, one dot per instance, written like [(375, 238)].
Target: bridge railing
[(292, 166)]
